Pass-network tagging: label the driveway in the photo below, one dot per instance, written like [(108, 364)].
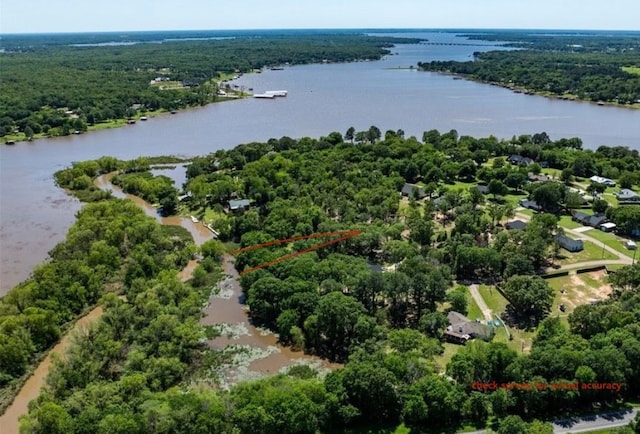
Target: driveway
[(473, 290)]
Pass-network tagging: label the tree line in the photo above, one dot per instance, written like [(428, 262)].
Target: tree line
[(387, 328), (591, 68)]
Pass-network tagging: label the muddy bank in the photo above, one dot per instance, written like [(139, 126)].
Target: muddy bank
[(198, 231), (9, 421), (257, 352)]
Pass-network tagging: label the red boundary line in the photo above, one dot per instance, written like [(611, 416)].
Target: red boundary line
[(345, 235)]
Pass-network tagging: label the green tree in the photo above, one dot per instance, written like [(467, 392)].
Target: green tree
[(530, 296), (498, 188), (335, 324), (513, 425)]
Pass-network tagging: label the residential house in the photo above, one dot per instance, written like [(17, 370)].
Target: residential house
[(600, 180), (569, 244), (461, 328), (519, 160), (409, 189), (538, 178), (239, 205), (589, 220), (517, 225), (626, 195), (529, 204)]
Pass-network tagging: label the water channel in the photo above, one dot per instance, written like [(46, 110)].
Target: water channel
[(35, 215), (258, 352)]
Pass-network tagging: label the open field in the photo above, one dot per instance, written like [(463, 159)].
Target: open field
[(578, 289)]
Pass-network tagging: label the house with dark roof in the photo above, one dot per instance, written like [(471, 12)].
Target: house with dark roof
[(409, 189), (517, 225), (529, 204), (569, 244), (239, 205), (626, 195), (519, 160), (589, 220)]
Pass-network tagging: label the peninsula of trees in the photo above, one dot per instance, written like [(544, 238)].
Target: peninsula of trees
[(143, 368), (592, 67)]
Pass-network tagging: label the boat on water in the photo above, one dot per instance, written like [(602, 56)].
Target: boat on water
[(277, 92), (10, 142), (264, 95), (143, 118), (194, 219)]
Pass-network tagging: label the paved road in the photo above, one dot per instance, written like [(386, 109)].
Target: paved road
[(588, 423), (473, 290)]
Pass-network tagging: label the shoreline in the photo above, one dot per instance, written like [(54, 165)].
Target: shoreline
[(529, 92), (14, 139)]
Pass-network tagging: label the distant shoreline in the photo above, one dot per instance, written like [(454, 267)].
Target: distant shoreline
[(529, 92)]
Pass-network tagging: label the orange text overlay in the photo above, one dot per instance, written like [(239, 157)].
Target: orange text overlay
[(537, 385)]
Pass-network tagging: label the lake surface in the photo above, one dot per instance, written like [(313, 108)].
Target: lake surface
[(35, 215)]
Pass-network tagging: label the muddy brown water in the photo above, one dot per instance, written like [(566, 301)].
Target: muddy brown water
[(266, 355), (270, 358)]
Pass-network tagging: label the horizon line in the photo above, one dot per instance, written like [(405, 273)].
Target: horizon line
[(547, 29)]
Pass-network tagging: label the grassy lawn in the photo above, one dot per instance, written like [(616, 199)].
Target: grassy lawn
[(443, 359), (609, 197), (528, 212), (591, 252), (566, 222), (459, 185), (473, 311), (631, 69), (610, 240), (496, 302), (552, 172), (514, 196)]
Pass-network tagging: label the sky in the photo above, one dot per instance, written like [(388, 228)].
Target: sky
[(45, 16)]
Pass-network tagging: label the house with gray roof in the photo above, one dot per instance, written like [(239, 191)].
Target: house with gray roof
[(569, 244), (589, 220), (411, 189), (239, 204), (626, 195), (461, 328), (517, 225)]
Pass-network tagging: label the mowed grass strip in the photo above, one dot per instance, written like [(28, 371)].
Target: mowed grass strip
[(611, 240)]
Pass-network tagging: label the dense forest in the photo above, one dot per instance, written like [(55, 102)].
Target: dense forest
[(49, 88), (587, 67), (142, 368)]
